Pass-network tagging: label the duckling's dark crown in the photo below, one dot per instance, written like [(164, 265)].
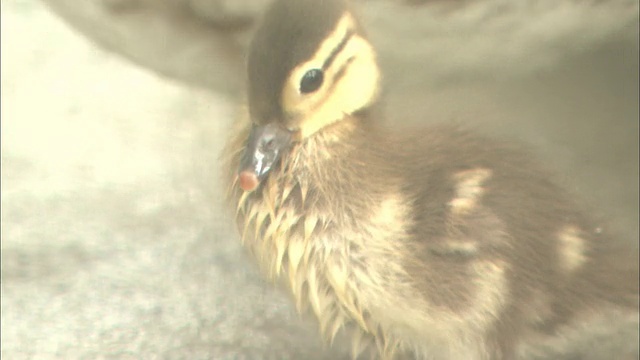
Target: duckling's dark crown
[(290, 33)]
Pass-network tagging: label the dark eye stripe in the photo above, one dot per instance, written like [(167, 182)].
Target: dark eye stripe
[(337, 50), (336, 78), (340, 73)]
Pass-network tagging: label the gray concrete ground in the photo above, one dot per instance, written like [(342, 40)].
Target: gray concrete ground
[(115, 244)]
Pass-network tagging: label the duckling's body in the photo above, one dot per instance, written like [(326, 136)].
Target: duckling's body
[(435, 241)]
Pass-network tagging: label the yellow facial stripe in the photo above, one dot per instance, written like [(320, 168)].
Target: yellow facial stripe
[(356, 89), (292, 100), (350, 82)]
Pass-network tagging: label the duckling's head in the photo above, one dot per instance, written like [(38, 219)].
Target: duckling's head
[(309, 66)]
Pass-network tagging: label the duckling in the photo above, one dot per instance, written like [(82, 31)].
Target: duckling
[(435, 243)]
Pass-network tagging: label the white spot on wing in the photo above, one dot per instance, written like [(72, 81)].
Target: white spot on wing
[(572, 248), (457, 247), (468, 189)]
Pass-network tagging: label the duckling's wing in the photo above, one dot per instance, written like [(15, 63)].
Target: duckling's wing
[(498, 244)]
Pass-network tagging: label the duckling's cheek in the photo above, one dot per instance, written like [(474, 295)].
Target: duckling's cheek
[(248, 180)]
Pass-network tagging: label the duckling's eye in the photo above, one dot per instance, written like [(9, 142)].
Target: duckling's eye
[(311, 81)]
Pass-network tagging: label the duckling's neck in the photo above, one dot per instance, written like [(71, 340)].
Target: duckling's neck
[(347, 132), (337, 167), (331, 150), (337, 132)]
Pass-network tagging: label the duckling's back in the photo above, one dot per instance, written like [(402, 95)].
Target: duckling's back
[(493, 236)]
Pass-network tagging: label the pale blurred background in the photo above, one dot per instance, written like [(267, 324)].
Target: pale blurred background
[(115, 243)]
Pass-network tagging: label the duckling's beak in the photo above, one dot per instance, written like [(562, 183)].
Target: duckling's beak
[(264, 147)]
